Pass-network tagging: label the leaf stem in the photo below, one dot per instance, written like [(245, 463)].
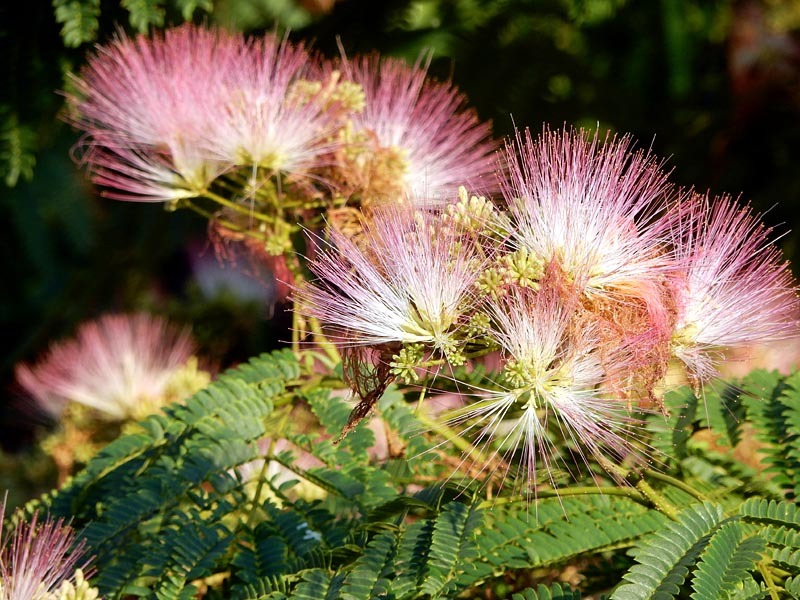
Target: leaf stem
[(238, 208), (674, 482)]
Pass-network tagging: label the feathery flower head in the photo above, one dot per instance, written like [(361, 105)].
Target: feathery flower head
[(122, 366), (593, 208), (421, 140), (553, 380), (407, 280), (735, 289), (42, 560), (270, 115), (145, 105)]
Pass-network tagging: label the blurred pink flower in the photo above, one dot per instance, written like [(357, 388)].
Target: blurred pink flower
[(38, 558), (442, 143), (736, 289), (117, 365), (146, 104)]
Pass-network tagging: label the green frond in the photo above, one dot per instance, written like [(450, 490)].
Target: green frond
[(671, 433), (189, 7), (144, 14), (750, 589), (781, 536), (453, 545), (791, 442), (664, 558), (557, 530), (411, 559), (556, 591), (369, 577), (318, 585), (399, 506), (726, 561), (395, 411), (787, 558), (333, 414), (78, 19), (785, 514), (294, 528), (792, 586), (156, 506), (264, 588), (17, 148), (773, 405), (723, 412)]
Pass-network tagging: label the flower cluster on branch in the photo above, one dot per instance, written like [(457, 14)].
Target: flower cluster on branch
[(576, 266)]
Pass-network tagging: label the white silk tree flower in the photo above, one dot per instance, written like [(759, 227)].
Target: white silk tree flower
[(552, 383), (145, 105), (264, 118)]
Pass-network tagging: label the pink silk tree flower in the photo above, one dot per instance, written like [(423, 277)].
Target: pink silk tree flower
[(552, 381), (596, 209), (119, 365), (735, 289), (130, 173), (271, 116), (401, 283), (438, 143), (40, 559), (152, 99)]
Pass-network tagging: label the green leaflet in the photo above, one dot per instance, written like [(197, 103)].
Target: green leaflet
[(666, 556), (725, 562), (557, 591)]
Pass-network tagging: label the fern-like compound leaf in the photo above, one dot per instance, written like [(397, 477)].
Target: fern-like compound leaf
[(792, 586), (726, 562), (557, 591), (78, 19), (318, 584), (750, 589), (369, 577), (453, 544), (188, 7), (785, 514), (411, 558), (773, 406), (144, 13), (664, 558)]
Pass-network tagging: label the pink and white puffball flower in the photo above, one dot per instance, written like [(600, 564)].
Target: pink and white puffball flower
[(402, 283), (735, 289), (120, 365), (145, 105), (596, 209), (270, 114), (441, 143), (552, 380), (42, 560)]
